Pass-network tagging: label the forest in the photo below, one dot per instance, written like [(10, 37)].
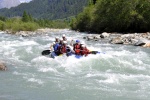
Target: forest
[(41, 14), (47, 9), (114, 16), (123, 16)]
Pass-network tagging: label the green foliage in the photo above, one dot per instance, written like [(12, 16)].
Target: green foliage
[(47, 9), (28, 26), (25, 17), (28, 23), (1, 25), (2, 18), (83, 20), (53, 23), (114, 16), (16, 24)]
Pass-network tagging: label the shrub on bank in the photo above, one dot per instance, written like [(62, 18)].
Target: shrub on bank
[(15, 24), (24, 24), (1, 25), (52, 23), (114, 16), (28, 26)]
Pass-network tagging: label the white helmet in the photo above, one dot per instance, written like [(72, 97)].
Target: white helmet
[(63, 35), (61, 39), (65, 42), (56, 37), (83, 46), (53, 43)]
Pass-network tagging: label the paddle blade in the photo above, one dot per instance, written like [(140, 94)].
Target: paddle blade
[(46, 52), (94, 52)]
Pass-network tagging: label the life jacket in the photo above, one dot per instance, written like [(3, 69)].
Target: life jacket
[(62, 49), (84, 51), (55, 46), (76, 48)]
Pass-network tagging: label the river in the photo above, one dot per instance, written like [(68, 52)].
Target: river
[(120, 72)]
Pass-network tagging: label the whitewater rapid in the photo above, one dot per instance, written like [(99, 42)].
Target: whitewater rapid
[(120, 72)]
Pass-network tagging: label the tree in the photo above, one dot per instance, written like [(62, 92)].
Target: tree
[(31, 18), (2, 18), (25, 17), (94, 2), (115, 16)]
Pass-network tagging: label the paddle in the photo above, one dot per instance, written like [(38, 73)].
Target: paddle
[(46, 52), (96, 52)]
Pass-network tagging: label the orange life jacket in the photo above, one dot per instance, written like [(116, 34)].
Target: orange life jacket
[(63, 49), (77, 48), (84, 51)]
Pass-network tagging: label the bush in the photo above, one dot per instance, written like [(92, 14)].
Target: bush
[(53, 23), (1, 25), (114, 16), (83, 20), (23, 24), (28, 26)]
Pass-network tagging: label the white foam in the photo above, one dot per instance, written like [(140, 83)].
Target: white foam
[(120, 53), (29, 50), (47, 70), (2, 32), (8, 44), (17, 73), (95, 75), (41, 59), (35, 80), (133, 77), (110, 79)]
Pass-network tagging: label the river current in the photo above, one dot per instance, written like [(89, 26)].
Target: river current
[(120, 72)]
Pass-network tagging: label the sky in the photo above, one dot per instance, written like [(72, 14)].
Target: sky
[(25, 1)]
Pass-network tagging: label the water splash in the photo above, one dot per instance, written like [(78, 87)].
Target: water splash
[(119, 72)]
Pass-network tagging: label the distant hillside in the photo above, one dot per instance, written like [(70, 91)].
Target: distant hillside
[(9, 3), (48, 9)]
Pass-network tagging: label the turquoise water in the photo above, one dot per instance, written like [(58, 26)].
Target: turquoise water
[(122, 73)]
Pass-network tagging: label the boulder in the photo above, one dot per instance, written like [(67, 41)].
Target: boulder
[(97, 37), (144, 35), (127, 35), (146, 45), (126, 40), (117, 40), (84, 37), (90, 38), (139, 43), (2, 66), (104, 35), (134, 41), (148, 37), (101, 36)]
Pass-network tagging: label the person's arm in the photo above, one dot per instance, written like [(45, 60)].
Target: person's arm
[(71, 43), (87, 52), (51, 47)]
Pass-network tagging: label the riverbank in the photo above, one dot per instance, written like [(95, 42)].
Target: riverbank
[(41, 31), (135, 39)]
